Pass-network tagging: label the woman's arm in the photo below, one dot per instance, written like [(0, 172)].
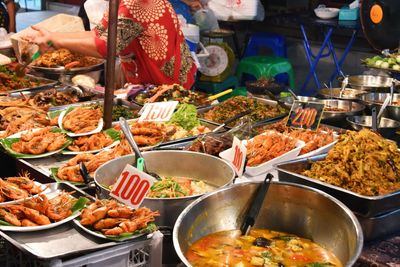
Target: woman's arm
[(11, 14), (79, 42)]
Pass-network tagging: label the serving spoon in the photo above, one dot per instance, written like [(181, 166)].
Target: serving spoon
[(255, 205), (138, 154)]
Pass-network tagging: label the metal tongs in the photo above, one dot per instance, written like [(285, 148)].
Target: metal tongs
[(345, 82), (256, 204)]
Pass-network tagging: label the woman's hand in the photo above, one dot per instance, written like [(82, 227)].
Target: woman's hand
[(43, 39)]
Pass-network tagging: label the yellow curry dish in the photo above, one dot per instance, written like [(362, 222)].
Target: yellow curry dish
[(261, 247)]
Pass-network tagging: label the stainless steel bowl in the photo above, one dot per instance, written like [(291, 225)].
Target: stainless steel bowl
[(290, 99), (290, 208), (209, 169), (370, 82), (348, 94), (391, 111), (351, 108), (387, 127)]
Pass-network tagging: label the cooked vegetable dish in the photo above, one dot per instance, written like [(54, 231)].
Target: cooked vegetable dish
[(65, 58), (171, 187), (9, 80), (260, 248), (362, 162), (238, 104), (173, 92)]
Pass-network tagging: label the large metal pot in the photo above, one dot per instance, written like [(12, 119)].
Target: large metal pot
[(391, 111), (210, 169), (290, 208), (352, 108), (370, 82), (387, 127), (347, 94)]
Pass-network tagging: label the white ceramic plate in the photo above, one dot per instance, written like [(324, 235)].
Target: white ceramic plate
[(267, 166), (40, 227), (45, 190), (6, 143), (60, 124), (321, 150), (97, 234)]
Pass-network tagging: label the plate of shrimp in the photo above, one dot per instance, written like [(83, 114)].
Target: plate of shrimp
[(81, 121), (36, 143), (19, 188), (93, 143), (111, 220), (41, 212)]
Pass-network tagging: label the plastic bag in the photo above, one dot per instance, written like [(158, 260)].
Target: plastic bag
[(95, 10), (237, 9), (206, 20)]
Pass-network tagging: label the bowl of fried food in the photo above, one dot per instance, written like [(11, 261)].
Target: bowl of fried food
[(263, 85)]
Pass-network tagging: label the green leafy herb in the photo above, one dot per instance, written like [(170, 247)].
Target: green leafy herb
[(285, 238), (79, 204), (186, 117), (266, 254)]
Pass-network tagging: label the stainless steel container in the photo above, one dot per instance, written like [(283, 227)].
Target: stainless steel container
[(210, 169), (370, 82), (334, 93), (367, 206), (387, 127), (391, 111), (290, 208), (351, 108), (290, 99)]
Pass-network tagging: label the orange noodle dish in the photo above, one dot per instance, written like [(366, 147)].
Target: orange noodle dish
[(260, 248)]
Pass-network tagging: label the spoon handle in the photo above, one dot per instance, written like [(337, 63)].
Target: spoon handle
[(256, 204), (128, 134)]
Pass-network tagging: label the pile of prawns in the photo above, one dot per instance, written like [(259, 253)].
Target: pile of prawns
[(39, 210), (112, 218)]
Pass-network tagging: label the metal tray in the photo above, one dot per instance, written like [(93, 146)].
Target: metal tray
[(97, 95), (48, 83), (364, 205), (266, 102), (62, 241), (380, 226), (62, 70)]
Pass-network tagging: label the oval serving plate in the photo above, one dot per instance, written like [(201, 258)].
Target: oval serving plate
[(8, 141), (71, 134), (45, 190), (4, 226), (114, 134), (113, 238)]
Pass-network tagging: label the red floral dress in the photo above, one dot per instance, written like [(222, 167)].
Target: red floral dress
[(150, 44)]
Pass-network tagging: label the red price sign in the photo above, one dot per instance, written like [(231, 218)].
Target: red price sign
[(158, 111), (238, 156), (132, 186), (306, 115)]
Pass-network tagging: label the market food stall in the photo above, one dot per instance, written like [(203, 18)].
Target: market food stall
[(80, 194)]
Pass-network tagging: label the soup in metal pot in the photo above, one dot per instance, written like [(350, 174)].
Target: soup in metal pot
[(260, 248)]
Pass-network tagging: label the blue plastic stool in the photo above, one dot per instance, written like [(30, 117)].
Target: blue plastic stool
[(259, 40)]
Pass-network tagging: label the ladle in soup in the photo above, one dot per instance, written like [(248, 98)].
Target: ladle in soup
[(255, 205)]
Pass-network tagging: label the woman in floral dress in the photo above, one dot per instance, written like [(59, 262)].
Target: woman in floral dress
[(150, 44)]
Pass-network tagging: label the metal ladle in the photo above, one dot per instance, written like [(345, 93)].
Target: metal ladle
[(138, 154), (384, 105), (256, 204)]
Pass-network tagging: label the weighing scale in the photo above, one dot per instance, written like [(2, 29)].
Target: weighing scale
[(217, 67), (380, 23)]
